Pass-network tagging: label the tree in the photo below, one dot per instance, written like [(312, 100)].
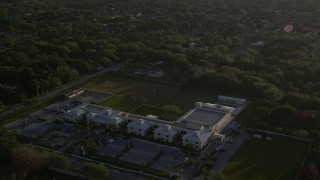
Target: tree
[(1, 105), (54, 82), (72, 75), (7, 145), (97, 171), (105, 61), (57, 161), (283, 114), (181, 62), (309, 171), (84, 66), (297, 99), (302, 133), (197, 71), (27, 159), (66, 74), (92, 147), (107, 53)]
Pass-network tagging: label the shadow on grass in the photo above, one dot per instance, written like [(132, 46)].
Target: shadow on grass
[(279, 158)]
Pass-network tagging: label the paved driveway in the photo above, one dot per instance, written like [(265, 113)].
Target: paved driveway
[(222, 158)]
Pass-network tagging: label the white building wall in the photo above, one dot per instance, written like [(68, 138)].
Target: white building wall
[(194, 144), (222, 123), (136, 131), (163, 137)]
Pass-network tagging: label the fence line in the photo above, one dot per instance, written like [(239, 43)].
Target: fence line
[(304, 159), (280, 134), (294, 137)]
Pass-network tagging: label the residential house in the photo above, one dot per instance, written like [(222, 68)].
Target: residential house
[(165, 133), (139, 127), (197, 139), (74, 115), (109, 118)]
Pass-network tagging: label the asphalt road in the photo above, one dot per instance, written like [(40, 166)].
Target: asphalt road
[(79, 81), (20, 106)]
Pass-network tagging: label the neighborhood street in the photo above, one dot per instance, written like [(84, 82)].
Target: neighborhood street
[(17, 107)]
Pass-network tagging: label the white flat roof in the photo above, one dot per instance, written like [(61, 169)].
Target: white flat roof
[(204, 116)]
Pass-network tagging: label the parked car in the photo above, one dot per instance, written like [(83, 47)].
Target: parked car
[(110, 141)]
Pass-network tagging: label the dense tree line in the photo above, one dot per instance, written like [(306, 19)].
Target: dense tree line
[(27, 162), (47, 43)]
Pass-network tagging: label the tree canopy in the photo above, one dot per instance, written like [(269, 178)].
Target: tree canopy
[(97, 171), (242, 46)]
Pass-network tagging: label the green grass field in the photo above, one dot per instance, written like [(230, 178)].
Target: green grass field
[(148, 110), (155, 93), (118, 102), (258, 159)]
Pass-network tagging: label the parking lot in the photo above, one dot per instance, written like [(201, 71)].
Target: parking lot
[(35, 124), (115, 148), (144, 153), (138, 157), (94, 97), (167, 161)]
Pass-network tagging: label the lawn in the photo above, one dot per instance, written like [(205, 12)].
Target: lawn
[(148, 110), (258, 159), (155, 93), (118, 102)]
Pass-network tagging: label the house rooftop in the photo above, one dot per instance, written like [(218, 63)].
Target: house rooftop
[(77, 110), (202, 135), (108, 119), (166, 130), (139, 124)]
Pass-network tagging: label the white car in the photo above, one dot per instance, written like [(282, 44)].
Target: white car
[(110, 141)]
